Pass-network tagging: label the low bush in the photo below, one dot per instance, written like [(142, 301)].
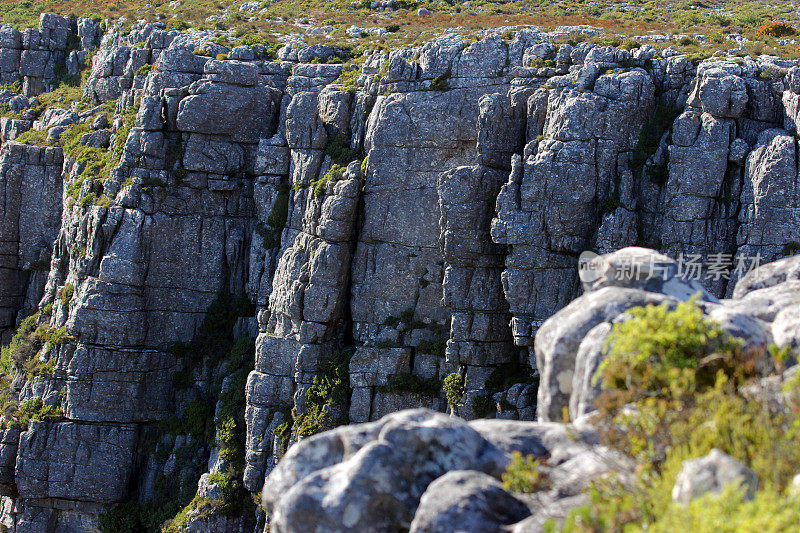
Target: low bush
[(35, 410), (522, 475), (776, 29), (339, 150), (671, 392), (407, 382), (453, 388), (329, 392)]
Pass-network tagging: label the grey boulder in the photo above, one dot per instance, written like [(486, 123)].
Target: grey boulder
[(465, 501), (711, 473)]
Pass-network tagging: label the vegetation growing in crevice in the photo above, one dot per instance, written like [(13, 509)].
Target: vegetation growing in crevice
[(648, 142), (283, 432), (22, 354), (439, 83), (35, 410), (96, 163), (411, 383), (327, 398), (436, 346), (271, 231), (338, 149), (212, 346), (483, 405), (233, 500)]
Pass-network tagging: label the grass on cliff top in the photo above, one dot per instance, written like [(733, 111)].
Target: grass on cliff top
[(271, 20)]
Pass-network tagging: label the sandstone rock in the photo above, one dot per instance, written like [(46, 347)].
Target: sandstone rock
[(712, 473), (768, 275), (720, 90), (381, 482), (466, 501), (232, 72), (212, 105), (230, 165), (31, 183), (75, 461), (9, 445), (560, 337)]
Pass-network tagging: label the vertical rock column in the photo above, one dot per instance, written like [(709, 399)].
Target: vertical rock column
[(480, 336), (400, 326), (549, 210), (307, 312), (30, 218)]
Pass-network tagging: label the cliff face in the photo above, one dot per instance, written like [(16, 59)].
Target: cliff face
[(29, 223), (368, 238), (37, 57), (431, 472)]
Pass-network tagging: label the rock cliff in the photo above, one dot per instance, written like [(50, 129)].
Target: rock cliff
[(221, 253)]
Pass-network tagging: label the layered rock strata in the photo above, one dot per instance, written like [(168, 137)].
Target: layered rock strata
[(36, 57), (422, 218)]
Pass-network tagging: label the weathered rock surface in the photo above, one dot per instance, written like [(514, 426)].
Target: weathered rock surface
[(427, 223), (32, 56), (712, 473), (570, 345), (466, 501), (31, 188), (394, 471)]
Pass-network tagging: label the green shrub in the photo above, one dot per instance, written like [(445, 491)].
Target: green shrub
[(439, 83), (453, 388), (339, 150), (730, 512), (199, 418), (776, 29), (177, 24), (87, 200), (408, 382), (649, 139), (23, 345), (52, 336), (233, 500), (336, 172), (320, 186), (252, 39), (437, 347), (483, 406), (649, 351), (522, 475), (34, 137), (67, 292), (144, 70), (271, 231), (35, 410), (672, 381), (284, 430), (330, 389)]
